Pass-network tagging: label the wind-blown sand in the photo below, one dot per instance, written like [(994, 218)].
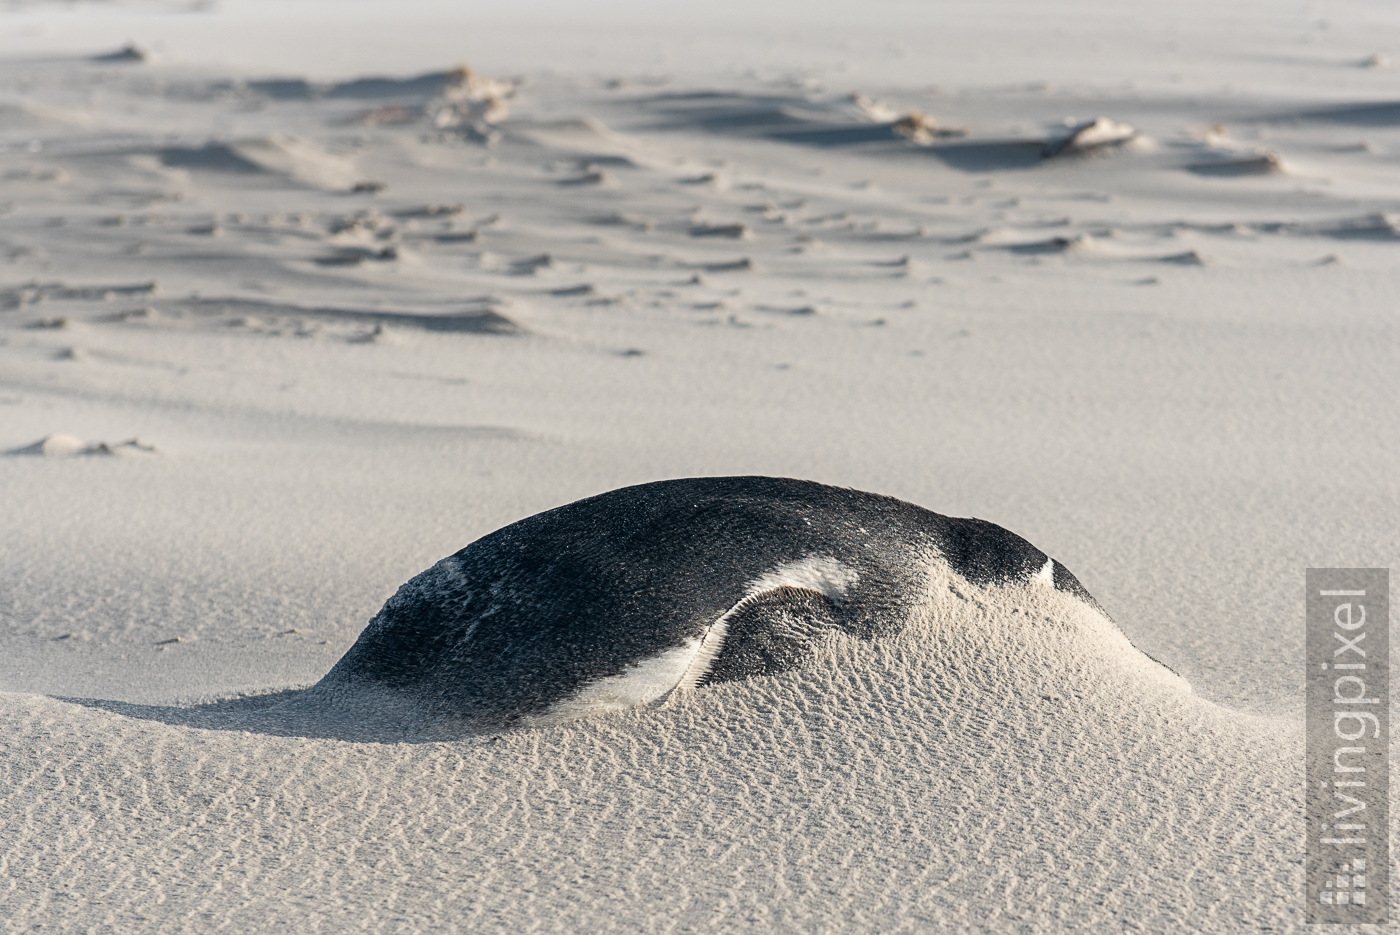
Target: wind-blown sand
[(295, 307)]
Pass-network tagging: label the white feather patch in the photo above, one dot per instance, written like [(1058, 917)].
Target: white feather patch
[(820, 573), (1046, 575), (641, 684), (682, 667)]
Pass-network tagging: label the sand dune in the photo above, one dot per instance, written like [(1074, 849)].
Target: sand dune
[(280, 155)]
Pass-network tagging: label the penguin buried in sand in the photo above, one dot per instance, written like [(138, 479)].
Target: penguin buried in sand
[(624, 599)]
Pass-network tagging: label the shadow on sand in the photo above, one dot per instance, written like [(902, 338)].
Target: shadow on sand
[(481, 319), (1369, 114), (803, 122), (290, 713)]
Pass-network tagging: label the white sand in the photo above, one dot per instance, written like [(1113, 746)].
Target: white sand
[(682, 248)]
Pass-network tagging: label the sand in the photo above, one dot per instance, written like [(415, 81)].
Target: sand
[(294, 307)]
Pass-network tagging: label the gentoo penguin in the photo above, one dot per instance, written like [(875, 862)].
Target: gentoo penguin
[(623, 599)]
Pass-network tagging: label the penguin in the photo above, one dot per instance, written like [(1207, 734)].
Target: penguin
[(625, 599)]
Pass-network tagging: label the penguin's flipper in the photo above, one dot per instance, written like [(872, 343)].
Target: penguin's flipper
[(765, 633)]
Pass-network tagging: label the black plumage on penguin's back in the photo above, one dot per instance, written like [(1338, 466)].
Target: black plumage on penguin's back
[(536, 611)]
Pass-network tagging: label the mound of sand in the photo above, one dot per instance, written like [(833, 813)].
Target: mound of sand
[(287, 156), (298, 159), (20, 115), (923, 129), (1094, 136), (588, 139), (63, 445)]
